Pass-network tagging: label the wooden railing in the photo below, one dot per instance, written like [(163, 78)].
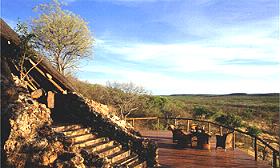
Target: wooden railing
[(237, 134)]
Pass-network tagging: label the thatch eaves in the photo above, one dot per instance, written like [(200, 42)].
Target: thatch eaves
[(10, 42)]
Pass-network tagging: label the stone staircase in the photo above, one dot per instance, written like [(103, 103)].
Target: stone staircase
[(84, 138)]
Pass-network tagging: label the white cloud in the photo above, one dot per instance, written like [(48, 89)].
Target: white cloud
[(205, 57), (163, 84), (193, 57)]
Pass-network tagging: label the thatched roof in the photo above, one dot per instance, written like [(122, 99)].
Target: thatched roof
[(10, 48), (9, 33)]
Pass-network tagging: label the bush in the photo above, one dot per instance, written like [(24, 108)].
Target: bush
[(229, 120), (247, 114), (203, 113), (253, 130)]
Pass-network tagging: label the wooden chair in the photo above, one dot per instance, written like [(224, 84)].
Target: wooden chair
[(203, 141), (224, 141), (180, 137)]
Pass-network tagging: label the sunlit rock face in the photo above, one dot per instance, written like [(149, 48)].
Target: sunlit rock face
[(31, 141)]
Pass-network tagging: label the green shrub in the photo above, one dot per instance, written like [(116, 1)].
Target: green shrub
[(229, 120), (202, 112), (247, 114), (253, 130)]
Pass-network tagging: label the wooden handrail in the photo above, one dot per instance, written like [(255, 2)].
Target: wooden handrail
[(230, 128), (276, 152), (144, 118)]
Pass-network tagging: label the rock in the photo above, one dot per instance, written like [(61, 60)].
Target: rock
[(37, 93)]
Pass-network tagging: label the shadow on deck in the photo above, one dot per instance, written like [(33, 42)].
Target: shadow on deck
[(172, 156)]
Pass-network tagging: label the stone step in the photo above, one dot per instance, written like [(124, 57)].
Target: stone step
[(81, 138), (61, 128), (138, 164), (75, 132), (90, 142), (119, 155), (99, 146), (109, 150), (126, 161)]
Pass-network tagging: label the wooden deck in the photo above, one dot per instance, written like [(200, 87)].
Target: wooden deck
[(172, 156)]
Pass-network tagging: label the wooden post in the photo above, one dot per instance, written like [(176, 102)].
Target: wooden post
[(221, 130), (233, 140), (133, 122), (158, 123), (209, 128), (256, 148), (50, 99), (175, 122), (188, 125), (274, 160)]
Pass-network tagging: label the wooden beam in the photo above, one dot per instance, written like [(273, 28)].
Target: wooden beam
[(49, 77)]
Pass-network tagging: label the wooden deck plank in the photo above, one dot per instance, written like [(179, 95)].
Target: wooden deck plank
[(172, 156)]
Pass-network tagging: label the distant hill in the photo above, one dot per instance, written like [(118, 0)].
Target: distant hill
[(231, 94)]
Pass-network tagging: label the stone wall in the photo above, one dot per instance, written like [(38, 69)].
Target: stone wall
[(74, 108)]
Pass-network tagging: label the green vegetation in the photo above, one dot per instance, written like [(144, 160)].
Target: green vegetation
[(63, 37), (230, 120), (130, 100), (202, 113), (254, 131)]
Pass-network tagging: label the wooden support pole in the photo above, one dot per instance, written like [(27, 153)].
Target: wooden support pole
[(133, 122), (209, 127), (274, 160), (50, 99), (188, 125), (158, 123), (256, 148), (233, 140), (221, 130), (175, 122)]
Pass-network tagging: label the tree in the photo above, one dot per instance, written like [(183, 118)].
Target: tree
[(26, 49), (127, 97), (229, 120), (63, 37)]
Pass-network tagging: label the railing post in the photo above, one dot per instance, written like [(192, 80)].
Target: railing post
[(158, 123), (175, 122), (256, 148), (221, 130), (233, 140), (188, 125), (274, 160), (209, 127), (133, 122)]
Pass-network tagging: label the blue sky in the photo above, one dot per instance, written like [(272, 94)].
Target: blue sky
[(177, 46)]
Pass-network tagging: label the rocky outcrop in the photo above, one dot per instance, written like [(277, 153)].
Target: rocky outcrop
[(31, 141)]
